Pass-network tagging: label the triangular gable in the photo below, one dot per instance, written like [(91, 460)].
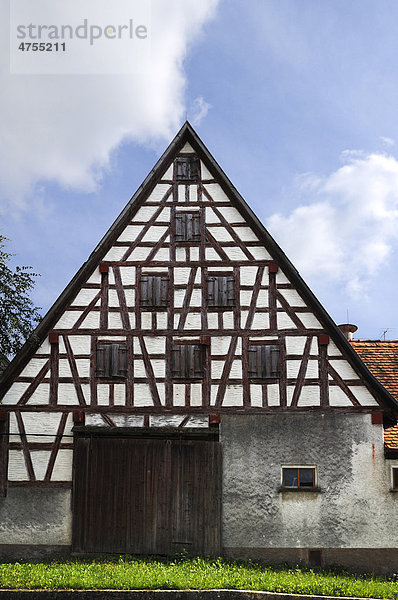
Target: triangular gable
[(233, 233)]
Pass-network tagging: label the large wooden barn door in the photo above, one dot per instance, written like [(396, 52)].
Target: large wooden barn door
[(146, 496)]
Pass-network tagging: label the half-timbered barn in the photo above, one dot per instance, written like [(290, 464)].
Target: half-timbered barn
[(187, 391)]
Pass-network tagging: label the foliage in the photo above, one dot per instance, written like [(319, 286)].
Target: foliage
[(18, 315), (198, 573)]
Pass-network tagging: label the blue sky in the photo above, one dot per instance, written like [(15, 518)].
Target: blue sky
[(297, 100)]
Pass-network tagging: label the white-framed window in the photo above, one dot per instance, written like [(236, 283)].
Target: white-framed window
[(294, 477)]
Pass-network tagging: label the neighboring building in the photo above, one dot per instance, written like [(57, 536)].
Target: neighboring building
[(188, 391), (381, 358)]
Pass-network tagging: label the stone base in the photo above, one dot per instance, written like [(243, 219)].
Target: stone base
[(14, 552)]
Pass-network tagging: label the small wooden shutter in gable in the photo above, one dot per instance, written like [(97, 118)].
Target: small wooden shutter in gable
[(111, 361), (176, 361), (264, 361), (253, 369), (221, 291), (180, 229), (187, 361), (187, 168), (154, 290), (187, 227), (230, 291), (211, 291), (197, 362), (275, 369), (145, 294)]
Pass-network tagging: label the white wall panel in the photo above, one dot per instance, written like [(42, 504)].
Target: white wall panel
[(211, 216), (33, 367), (292, 297), (246, 234), (260, 321), (68, 319), (260, 253), (41, 394), (344, 369), (154, 233), (158, 192), (256, 395), (233, 396), (196, 394), (40, 460), (205, 173), (179, 394), (95, 277), (273, 394), (16, 466), (84, 297), (127, 275), (63, 466), (130, 233), (80, 344), (91, 321), (144, 213), (248, 275), (310, 321), (363, 396), (115, 254)]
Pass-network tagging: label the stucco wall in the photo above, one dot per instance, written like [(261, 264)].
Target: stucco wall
[(354, 508), (36, 516)]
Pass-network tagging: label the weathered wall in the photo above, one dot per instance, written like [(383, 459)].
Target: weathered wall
[(36, 516), (354, 507)]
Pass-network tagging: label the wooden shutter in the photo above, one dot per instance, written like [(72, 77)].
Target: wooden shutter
[(264, 361), (221, 291), (187, 168), (111, 361), (100, 371), (211, 284), (197, 362), (187, 227), (253, 370), (180, 227), (122, 360), (145, 292), (187, 361), (176, 361), (230, 291), (275, 368), (154, 290)]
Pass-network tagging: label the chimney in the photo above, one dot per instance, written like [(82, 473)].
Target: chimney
[(348, 329)]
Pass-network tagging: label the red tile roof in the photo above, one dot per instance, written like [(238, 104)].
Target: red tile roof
[(381, 358)]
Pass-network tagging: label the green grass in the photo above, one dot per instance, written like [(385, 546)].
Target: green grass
[(198, 573)]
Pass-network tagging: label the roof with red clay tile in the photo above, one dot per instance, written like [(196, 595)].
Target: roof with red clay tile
[(381, 358)]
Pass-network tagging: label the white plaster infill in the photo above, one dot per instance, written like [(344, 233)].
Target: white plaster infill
[(161, 595)]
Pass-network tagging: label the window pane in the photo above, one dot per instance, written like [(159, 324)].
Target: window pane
[(306, 477), (290, 478), (395, 479)]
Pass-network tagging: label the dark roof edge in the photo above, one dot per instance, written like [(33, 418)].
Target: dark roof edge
[(188, 134)]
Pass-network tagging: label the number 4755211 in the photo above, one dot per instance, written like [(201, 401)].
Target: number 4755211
[(42, 46)]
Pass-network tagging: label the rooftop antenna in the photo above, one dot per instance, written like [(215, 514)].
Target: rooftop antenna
[(384, 333)]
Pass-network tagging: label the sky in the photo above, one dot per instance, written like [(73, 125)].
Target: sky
[(296, 99)]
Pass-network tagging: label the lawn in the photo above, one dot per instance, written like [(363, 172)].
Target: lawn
[(198, 573)]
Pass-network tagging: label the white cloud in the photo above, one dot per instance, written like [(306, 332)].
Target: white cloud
[(200, 108), (63, 128), (348, 226)]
